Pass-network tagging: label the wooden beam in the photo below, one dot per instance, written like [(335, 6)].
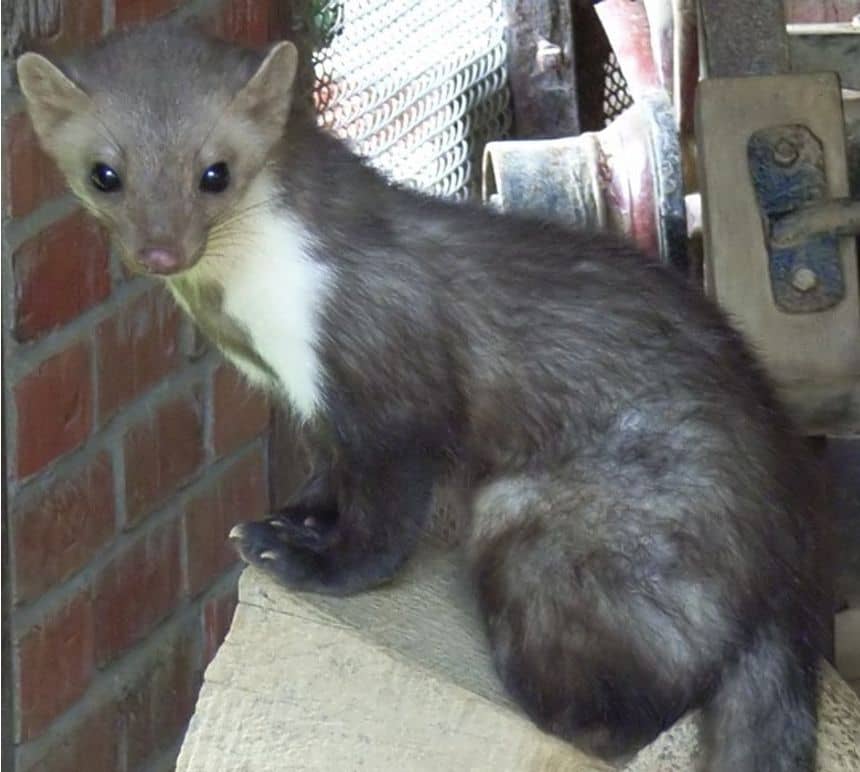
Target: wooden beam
[(743, 38), (541, 68)]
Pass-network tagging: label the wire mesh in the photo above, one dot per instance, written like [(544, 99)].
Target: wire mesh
[(416, 86), (616, 96)]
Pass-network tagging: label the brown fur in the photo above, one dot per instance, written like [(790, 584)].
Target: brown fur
[(643, 537)]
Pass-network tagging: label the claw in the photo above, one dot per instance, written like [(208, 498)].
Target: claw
[(277, 523), (269, 555), (237, 532)]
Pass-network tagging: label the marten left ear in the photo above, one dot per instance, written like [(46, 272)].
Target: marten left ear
[(266, 98), (52, 99)]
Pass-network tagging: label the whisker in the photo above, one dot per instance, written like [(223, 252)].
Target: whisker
[(235, 214)]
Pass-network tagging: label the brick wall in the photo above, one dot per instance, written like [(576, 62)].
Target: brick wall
[(130, 450)]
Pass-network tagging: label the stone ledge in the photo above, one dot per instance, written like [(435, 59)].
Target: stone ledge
[(401, 679)]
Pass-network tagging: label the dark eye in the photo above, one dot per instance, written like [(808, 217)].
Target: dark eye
[(105, 179), (216, 178)]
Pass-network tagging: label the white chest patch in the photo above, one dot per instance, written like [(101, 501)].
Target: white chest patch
[(274, 290)]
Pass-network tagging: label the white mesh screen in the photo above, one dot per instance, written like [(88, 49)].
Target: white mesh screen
[(416, 86)]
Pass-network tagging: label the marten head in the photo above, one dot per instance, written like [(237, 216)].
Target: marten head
[(159, 132)]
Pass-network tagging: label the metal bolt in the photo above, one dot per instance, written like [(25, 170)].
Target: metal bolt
[(548, 56), (804, 279), (785, 153)]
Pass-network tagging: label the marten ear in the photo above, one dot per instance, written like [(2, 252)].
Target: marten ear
[(52, 99), (265, 100)]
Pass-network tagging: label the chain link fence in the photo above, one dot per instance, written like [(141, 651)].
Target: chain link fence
[(616, 96), (419, 86), (416, 86)]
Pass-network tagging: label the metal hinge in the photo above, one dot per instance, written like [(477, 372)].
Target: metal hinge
[(802, 224)]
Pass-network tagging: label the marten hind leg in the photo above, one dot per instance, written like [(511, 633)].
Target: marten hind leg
[(590, 631)]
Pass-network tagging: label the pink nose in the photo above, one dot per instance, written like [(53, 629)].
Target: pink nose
[(159, 260)]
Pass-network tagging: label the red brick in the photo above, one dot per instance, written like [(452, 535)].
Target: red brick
[(54, 408), (241, 413), (55, 664), (130, 12), (56, 534), (246, 21), (159, 702), (59, 273), (91, 744), (217, 617), (30, 177), (240, 494), (162, 453), (136, 348), (134, 592)]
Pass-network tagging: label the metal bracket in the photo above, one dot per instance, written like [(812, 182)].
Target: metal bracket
[(801, 223)]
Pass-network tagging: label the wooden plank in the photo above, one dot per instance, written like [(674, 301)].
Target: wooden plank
[(401, 678), (827, 48), (802, 11), (395, 679), (743, 38), (541, 68)]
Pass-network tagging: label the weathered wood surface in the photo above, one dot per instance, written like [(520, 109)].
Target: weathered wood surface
[(743, 38), (396, 679), (400, 679), (541, 68)]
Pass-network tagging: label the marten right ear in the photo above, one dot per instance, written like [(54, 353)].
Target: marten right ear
[(52, 99), (265, 100)]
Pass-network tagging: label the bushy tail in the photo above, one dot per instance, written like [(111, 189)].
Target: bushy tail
[(763, 715)]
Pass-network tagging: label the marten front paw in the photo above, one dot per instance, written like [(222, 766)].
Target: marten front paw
[(310, 555), (306, 529), (267, 546), (299, 528)]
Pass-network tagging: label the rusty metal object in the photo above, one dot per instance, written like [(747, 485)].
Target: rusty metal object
[(668, 178), (838, 217), (685, 65), (656, 44), (629, 33), (790, 182), (556, 178), (541, 68), (661, 23), (626, 179)]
